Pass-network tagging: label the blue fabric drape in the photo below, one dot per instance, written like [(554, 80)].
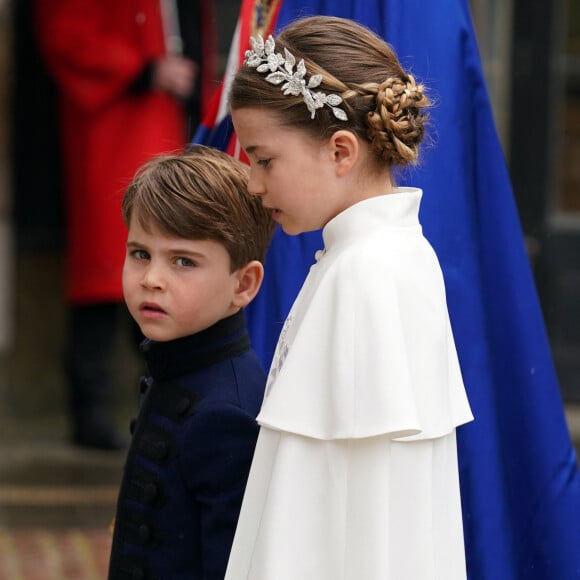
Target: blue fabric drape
[(518, 469)]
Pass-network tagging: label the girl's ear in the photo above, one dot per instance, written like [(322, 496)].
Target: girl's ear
[(249, 278), (345, 149)]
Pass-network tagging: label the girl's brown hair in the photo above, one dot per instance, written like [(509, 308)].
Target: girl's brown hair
[(201, 194), (384, 104)]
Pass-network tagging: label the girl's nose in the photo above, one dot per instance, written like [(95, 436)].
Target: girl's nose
[(255, 186)]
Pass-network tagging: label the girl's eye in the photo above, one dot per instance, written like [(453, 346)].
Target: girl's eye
[(140, 254), (264, 162), (184, 262)]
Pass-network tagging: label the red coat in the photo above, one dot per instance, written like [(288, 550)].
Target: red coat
[(95, 50)]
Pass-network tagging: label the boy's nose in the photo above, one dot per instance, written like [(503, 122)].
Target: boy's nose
[(152, 278)]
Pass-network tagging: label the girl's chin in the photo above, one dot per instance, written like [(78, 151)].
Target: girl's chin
[(292, 230)]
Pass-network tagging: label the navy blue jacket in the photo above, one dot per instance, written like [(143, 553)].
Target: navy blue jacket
[(189, 459)]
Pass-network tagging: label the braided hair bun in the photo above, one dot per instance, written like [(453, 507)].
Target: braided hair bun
[(396, 127)]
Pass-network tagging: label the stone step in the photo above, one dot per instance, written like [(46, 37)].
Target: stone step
[(35, 554), (52, 484)]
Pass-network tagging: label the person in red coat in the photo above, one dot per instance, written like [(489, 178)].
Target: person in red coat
[(130, 76)]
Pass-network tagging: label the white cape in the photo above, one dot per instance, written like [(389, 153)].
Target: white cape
[(355, 472)]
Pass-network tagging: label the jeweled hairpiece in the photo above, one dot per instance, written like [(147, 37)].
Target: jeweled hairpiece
[(281, 70)]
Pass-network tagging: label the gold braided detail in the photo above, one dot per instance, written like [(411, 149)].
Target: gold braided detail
[(262, 16)]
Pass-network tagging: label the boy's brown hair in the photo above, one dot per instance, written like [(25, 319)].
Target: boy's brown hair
[(201, 194)]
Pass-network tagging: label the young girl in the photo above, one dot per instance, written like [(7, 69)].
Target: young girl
[(355, 473)]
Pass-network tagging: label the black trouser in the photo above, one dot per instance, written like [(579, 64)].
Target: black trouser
[(92, 336)]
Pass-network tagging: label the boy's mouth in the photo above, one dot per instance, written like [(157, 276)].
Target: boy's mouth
[(151, 308)]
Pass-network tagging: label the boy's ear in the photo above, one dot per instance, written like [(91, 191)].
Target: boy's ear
[(250, 279), (345, 149)]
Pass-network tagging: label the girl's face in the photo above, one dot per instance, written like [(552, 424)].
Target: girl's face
[(293, 173)]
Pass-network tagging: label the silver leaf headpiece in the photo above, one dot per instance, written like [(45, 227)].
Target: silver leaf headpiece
[(281, 70)]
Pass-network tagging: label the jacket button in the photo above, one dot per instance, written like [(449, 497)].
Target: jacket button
[(161, 449), (150, 492), (144, 533), (183, 406), (144, 384)]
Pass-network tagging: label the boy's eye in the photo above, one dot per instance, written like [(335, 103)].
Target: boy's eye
[(264, 162), (140, 254), (184, 262)]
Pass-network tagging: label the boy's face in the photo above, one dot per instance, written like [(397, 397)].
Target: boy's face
[(174, 287)]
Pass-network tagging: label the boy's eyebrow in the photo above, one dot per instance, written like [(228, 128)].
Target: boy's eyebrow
[(132, 244), (174, 250), (184, 252)]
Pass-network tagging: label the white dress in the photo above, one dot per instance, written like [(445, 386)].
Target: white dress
[(355, 472)]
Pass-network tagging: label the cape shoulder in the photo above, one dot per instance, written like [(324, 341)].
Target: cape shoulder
[(367, 348)]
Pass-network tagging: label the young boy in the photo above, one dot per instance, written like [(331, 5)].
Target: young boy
[(195, 249)]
